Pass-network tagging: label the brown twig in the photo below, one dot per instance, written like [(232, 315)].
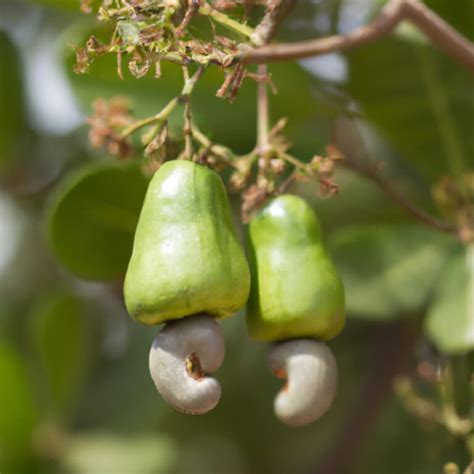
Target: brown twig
[(263, 119), (193, 7), (187, 130), (237, 83), (163, 115), (394, 194), (276, 11), (223, 153), (365, 165), (434, 27), (287, 181)]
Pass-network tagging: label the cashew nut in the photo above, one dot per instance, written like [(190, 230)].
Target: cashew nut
[(182, 354), (310, 370)]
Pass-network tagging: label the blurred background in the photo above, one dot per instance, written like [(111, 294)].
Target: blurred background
[(75, 393)]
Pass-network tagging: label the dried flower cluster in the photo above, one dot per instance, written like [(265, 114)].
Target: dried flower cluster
[(107, 123), (146, 32)]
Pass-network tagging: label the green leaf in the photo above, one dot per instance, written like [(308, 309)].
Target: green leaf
[(92, 219), (421, 102), (59, 332), (18, 413), (98, 453), (389, 271), (450, 320)]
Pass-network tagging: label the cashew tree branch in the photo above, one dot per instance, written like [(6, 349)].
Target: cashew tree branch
[(433, 26)]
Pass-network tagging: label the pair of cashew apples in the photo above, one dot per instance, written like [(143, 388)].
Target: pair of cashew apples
[(188, 269)]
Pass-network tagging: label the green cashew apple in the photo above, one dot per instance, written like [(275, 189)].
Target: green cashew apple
[(186, 257), (296, 291)]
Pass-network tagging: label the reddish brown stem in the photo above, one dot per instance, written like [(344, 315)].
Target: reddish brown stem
[(402, 201), (434, 27)]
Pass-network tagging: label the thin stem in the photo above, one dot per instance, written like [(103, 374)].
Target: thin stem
[(276, 11), (367, 166), (188, 130), (426, 410), (456, 425), (224, 20), (187, 127), (440, 32), (287, 181), (190, 82), (185, 71), (294, 161), (400, 199), (263, 120), (420, 407), (160, 118), (395, 11), (223, 153), (193, 7)]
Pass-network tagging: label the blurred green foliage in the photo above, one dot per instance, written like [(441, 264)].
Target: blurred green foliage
[(59, 339), (103, 452), (19, 412), (75, 394), (436, 137), (450, 321), (389, 271), (12, 117), (92, 219)]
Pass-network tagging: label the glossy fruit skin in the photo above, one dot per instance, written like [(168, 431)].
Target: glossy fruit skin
[(296, 291), (186, 257)]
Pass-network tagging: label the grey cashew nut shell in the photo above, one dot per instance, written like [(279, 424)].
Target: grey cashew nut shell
[(310, 370), (181, 356)]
